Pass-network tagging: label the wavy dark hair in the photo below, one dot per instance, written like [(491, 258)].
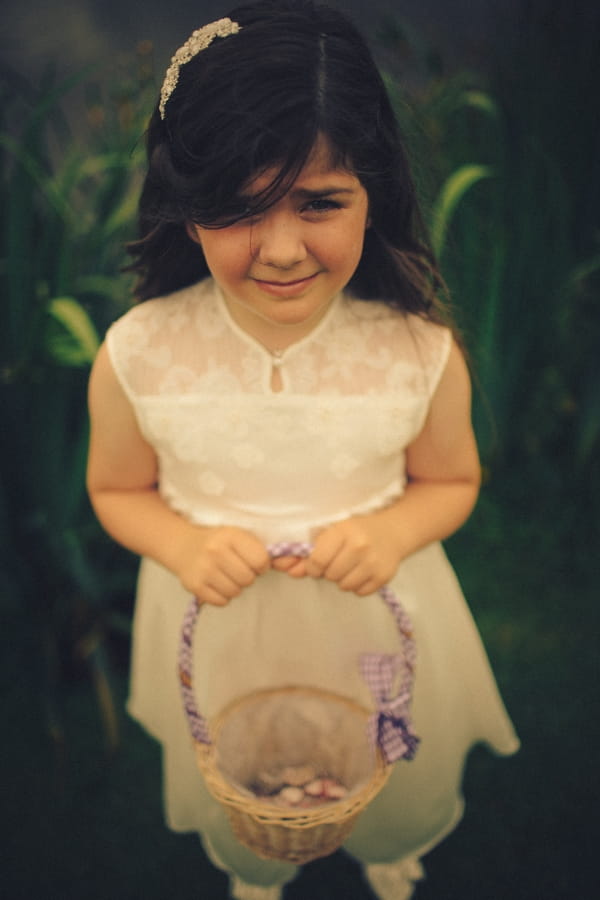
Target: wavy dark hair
[(259, 100)]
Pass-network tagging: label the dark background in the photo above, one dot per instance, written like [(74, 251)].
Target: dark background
[(81, 806), (75, 31)]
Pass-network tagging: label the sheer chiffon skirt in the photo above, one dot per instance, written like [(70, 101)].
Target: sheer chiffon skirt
[(284, 631)]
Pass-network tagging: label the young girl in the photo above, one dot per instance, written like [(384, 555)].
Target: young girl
[(290, 376)]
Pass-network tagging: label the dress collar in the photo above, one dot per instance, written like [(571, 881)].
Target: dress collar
[(275, 357)]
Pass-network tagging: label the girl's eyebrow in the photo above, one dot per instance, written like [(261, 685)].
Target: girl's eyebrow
[(322, 192), (309, 194)]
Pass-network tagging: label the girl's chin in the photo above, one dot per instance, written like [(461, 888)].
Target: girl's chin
[(294, 313), (289, 311), (278, 321)]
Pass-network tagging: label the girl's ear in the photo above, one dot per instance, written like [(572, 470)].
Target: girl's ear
[(192, 232)]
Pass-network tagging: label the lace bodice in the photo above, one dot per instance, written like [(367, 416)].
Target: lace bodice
[(354, 393)]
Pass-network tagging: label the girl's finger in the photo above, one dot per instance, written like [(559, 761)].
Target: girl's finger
[(327, 547), (367, 588), (221, 584), (354, 580), (240, 572), (298, 570), (254, 555), (363, 587), (345, 571), (212, 597), (291, 565), (283, 563)]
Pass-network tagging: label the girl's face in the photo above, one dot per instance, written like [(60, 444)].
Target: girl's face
[(280, 270)]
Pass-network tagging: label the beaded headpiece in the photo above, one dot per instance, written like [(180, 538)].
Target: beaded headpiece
[(199, 40)]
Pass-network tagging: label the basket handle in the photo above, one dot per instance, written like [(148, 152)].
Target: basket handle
[(389, 726)]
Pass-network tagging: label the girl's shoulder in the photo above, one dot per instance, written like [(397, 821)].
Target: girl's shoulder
[(152, 337), (406, 338), (378, 311), (169, 310)]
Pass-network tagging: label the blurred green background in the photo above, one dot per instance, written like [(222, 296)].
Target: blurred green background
[(506, 156)]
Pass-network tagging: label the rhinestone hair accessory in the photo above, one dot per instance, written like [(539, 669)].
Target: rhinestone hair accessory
[(199, 40)]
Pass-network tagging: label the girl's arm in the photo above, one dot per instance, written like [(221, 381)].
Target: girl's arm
[(362, 553), (215, 564)]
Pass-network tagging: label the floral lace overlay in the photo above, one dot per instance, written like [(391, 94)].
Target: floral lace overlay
[(355, 393)]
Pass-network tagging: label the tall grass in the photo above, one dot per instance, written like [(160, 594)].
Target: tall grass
[(69, 202), (513, 212)]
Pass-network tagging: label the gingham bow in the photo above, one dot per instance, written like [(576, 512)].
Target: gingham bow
[(390, 724)]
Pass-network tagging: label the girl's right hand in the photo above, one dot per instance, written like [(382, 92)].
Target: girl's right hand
[(216, 564)]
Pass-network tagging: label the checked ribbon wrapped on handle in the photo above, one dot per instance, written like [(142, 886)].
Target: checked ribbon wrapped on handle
[(389, 677), (391, 726)]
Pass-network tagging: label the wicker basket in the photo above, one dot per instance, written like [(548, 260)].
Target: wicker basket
[(354, 745)]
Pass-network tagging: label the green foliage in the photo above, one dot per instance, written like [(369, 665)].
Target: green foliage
[(68, 196), (76, 343), (519, 247), (449, 198)]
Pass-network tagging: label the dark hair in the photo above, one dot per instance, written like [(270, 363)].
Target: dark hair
[(260, 99)]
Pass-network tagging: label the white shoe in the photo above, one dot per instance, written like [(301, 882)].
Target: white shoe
[(395, 881), (241, 890)]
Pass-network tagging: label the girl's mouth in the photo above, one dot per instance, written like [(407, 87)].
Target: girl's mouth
[(286, 288)]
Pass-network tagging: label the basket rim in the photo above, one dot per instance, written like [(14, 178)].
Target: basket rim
[(266, 812)]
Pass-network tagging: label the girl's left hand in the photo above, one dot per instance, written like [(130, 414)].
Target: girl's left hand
[(357, 554)]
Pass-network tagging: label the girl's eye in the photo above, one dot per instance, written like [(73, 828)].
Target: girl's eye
[(321, 205)]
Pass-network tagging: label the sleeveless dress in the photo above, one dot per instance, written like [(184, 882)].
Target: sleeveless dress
[(330, 444)]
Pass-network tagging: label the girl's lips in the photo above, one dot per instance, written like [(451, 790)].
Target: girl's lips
[(285, 288)]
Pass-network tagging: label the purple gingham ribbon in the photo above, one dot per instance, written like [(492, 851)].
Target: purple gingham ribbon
[(289, 548), (196, 721), (389, 726)]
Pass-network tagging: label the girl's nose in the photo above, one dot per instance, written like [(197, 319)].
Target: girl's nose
[(278, 240)]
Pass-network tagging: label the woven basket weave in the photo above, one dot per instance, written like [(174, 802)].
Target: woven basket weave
[(295, 834)]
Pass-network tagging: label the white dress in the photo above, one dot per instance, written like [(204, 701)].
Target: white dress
[(330, 444)]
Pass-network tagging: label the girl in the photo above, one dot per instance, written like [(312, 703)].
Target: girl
[(290, 377)]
